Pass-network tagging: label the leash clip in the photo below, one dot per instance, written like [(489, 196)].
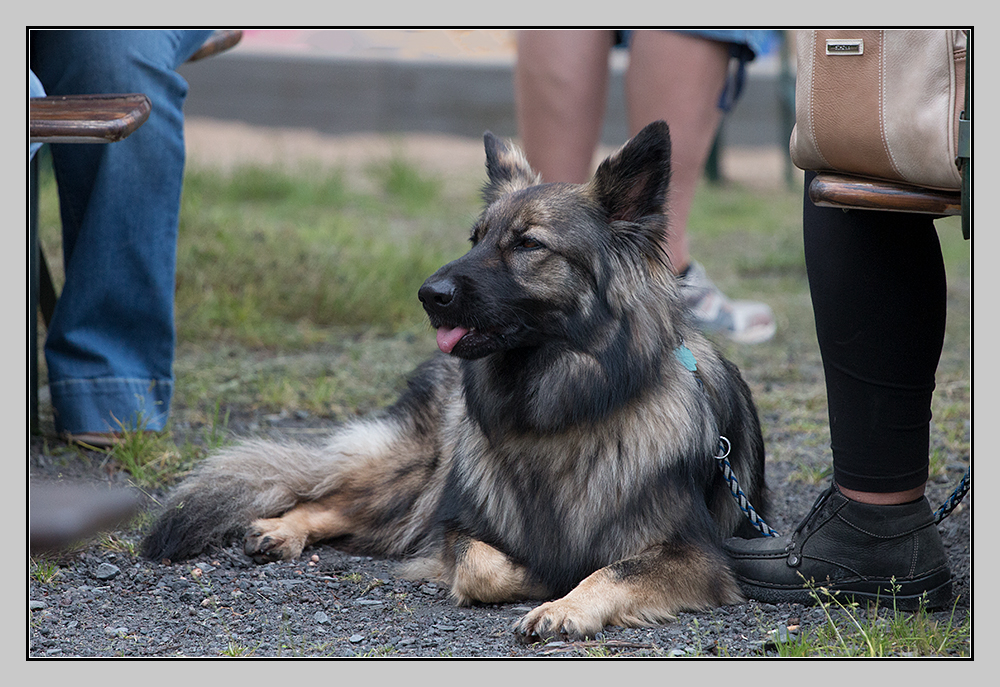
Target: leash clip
[(724, 448)]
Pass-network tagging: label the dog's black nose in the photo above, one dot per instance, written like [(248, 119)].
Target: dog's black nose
[(438, 294)]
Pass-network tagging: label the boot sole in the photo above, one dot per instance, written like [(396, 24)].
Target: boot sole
[(930, 591)]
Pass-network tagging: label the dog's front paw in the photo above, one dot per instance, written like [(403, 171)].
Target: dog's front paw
[(561, 619), (272, 540)]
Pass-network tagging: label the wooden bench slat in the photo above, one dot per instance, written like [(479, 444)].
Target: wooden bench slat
[(86, 118), (840, 191)]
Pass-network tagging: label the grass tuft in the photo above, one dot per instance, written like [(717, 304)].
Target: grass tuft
[(44, 571), (877, 630)]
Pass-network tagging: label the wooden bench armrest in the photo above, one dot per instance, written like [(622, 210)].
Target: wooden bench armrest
[(86, 118), (841, 191)]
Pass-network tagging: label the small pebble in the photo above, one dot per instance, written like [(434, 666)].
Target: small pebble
[(106, 571)]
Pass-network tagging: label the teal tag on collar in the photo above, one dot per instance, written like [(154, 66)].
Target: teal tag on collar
[(686, 357)]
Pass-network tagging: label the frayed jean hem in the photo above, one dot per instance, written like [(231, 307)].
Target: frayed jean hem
[(125, 404)]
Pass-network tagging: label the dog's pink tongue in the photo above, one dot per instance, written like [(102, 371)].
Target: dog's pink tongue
[(448, 337)]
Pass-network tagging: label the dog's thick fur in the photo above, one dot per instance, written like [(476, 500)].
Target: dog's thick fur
[(562, 450)]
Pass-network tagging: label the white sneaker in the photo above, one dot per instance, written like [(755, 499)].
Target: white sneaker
[(742, 321)]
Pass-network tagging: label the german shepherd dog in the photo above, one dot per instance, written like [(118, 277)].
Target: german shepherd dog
[(561, 446)]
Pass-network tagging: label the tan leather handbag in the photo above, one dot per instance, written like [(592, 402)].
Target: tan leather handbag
[(883, 104)]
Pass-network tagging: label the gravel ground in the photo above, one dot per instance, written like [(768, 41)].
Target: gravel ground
[(106, 602)]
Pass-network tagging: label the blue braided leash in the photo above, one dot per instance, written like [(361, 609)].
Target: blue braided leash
[(744, 503), (734, 486), (956, 497)]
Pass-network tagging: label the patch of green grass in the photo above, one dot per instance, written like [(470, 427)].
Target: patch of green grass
[(350, 373), (403, 182), (215, 435), (811, 474), (877, 630), (262, 252), (378, 652), (153, 459), (767, 227), (374, 583), (938, 463), (269, 257), (957, 251), (44, 571), (237, 650), (719, 210), (116, 543)]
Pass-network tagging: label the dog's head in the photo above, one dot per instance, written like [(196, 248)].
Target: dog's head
[(550, 262)]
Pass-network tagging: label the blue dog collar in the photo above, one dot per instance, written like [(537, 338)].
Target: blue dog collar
[(687, 359), (684, 354)]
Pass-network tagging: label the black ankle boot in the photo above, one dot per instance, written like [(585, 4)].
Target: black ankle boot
[(892, 553)]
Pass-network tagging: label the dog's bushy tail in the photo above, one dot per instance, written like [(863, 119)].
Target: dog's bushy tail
[(263, 479), (254, 479)]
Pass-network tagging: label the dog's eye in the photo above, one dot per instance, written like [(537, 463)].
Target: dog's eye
[(528, 243)]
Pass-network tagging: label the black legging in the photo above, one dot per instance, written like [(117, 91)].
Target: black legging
[(879, 295)]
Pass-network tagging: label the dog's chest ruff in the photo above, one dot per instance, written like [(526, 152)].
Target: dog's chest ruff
[(568, 504)]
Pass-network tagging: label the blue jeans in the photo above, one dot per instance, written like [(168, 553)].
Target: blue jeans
[(110, 346)]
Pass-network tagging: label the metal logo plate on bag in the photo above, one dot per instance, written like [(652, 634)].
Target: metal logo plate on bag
[(845, 46)]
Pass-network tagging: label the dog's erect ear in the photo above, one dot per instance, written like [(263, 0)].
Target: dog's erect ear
[(632, 183), (506, 168)]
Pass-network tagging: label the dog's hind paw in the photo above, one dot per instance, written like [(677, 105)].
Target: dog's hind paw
[(271, 540)]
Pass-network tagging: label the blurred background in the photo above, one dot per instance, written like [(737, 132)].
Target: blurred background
[(453, 83)]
